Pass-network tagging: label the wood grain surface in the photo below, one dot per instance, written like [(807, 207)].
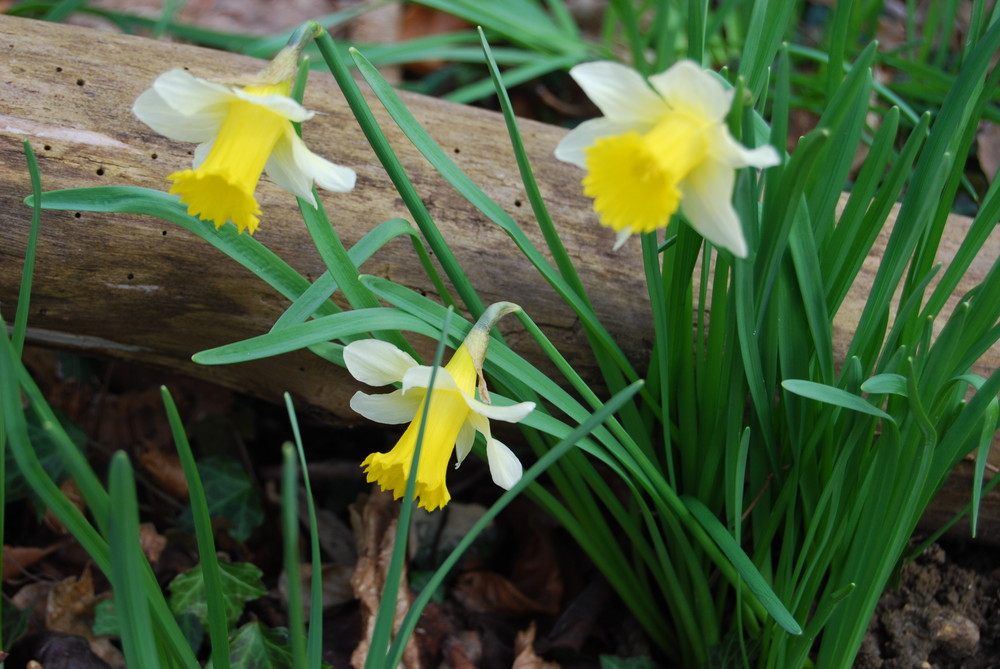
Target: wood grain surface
[(138, 289)]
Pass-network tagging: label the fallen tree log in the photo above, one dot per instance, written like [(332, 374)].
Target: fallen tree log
[(138, 289)]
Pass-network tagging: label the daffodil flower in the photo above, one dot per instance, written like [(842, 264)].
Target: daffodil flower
[(454, 417), (660, 145), (241, 131)]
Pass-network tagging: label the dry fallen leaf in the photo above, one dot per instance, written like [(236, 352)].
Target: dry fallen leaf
[(464, 651), (70, 608), (374, 521), (524, 651), (419, 21), (53, 650), (489, 592), (988, 149), (71, 492), (152, 542), (536, 571), (32, 597), (18, 558), (166, 470), (336, 581)]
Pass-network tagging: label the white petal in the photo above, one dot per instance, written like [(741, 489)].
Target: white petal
[(505, 468), (190, 95), (285, 172), (390, 408), (619, 92), (706, 202), (325, 174), (420, 377), (573, 147), (621, 237), (463, 445), (686, 85), (513, 413), (201, 153), (726, 149), (295, 168), (196, 126), (376, 362), (282, 105)]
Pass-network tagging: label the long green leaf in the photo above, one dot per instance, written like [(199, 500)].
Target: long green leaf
[(218, 629), (746, 569), (835, 396), (127, 566)]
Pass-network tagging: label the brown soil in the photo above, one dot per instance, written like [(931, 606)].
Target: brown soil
[(945, 613)]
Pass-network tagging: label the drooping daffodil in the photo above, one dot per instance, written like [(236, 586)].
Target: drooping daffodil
[(661, 144), (454, 416), (241, 131)]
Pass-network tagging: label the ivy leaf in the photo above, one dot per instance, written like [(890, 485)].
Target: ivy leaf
[(231, 496), (15, 485), (15, 622), (636, 662), (256, 646), (105, 619), (106, 624), (240, 584)]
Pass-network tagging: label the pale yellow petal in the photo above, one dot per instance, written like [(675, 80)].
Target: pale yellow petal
[(620, 92), (707, 205), (376, 362), (687, 87)]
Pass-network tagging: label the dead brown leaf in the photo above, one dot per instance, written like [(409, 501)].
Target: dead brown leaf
[(524, 651), (32, 597), (577, 622), (72, 493), (489, 592), (336, 582), (379, 26), (70, 608), (420, 21), (70, 604), (18, 558), (434, 535), (464, 651), (166, 470), (374, 520), (536, 571), (53, 650), (152, 542), (988, 149)]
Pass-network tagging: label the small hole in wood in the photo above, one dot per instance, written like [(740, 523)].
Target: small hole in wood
[(58, 69), (164, 233), (517, 203), (47, 147), (77, 215), (80, 82), (130, 276), (153, 156), (100, 171), (457, 150)]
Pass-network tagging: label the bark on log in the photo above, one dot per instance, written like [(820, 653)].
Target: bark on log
[(138, 289)]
